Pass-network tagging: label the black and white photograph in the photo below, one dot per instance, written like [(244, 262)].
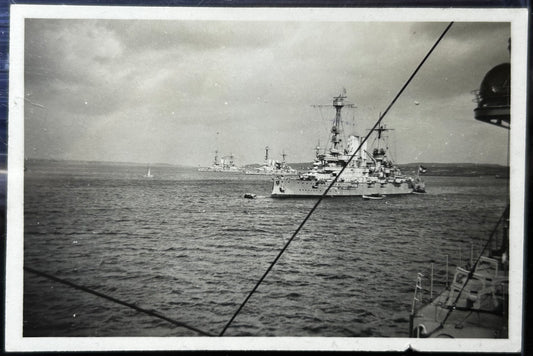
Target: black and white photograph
[(265, 179)]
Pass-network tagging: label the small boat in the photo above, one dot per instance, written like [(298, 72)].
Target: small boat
[(373, 197), (250, 196), (419, 189), (419, 186)]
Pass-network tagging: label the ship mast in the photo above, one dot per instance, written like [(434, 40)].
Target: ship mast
[(338, 103), (380, 130)]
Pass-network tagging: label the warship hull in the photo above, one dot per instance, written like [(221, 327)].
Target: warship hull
[(219, 170), (294, 188), (272, 173)]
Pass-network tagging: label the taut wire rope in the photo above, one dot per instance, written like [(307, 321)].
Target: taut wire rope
[(181, 324), (334, 180), (115, 300)]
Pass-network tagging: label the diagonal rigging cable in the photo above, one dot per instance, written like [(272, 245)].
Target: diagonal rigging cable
[(334, 180), (129, 305), (181, 324)]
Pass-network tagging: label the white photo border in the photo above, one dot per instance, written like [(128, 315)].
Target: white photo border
[(14, 341)]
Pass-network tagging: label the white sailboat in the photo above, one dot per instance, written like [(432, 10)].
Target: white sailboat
[(148, 174)]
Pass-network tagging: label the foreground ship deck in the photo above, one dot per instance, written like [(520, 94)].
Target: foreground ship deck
[(471, 307), (476, 303)]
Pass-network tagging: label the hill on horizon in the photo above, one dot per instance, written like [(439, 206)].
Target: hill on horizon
[(435, 169), (110, 163)]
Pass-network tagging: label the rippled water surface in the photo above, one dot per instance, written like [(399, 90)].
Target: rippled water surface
[(188, 245)]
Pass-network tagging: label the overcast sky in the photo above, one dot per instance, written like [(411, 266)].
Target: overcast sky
[(176, 91)]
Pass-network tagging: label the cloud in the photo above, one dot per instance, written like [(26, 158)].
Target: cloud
[(158, 91)]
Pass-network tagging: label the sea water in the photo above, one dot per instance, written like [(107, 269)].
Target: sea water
[(188, 245)]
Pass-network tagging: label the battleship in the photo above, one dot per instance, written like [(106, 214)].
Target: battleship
[(376, 166), (273, 167), (368, 174), (225, 164)]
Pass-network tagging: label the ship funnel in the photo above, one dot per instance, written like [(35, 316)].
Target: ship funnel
[(353, 143)]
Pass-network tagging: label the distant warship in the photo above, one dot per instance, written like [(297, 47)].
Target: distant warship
[(368, 174), (225, 164), (273, 167)]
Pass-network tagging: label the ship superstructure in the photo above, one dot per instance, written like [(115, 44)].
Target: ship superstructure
[(368, 173), (223, 164), (273, 167)]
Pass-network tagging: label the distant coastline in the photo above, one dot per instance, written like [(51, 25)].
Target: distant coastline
[(101, 163), (433, 169), (441, 169), (458, 169)]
